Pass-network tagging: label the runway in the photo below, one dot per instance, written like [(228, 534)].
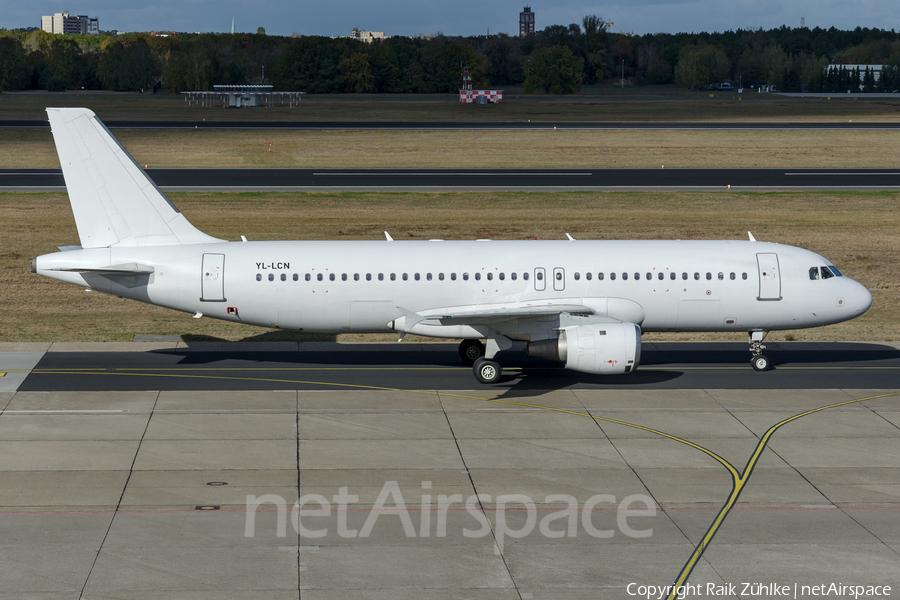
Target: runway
[(486, 179), (352, 491), (318, 366), (475, 125)]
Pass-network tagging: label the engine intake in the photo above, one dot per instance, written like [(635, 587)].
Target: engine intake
[(606, 348)]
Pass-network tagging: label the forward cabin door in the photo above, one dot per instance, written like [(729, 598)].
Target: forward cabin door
[(769, 276), (213, 278)]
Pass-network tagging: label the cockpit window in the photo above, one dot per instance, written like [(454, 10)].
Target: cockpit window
[(834, 270), (826, 273), (814, 273)]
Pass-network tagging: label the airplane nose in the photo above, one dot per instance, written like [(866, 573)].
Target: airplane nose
[(860, 298)]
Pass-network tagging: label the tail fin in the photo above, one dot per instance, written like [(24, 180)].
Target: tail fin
[(114, 202)]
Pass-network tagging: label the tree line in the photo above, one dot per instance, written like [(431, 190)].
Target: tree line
[(558, 59)]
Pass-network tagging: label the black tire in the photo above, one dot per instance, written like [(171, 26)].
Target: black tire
[(470, 351), (487, 371), (761, 363)]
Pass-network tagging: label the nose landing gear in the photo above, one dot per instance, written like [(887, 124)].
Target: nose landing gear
[(759, 361)]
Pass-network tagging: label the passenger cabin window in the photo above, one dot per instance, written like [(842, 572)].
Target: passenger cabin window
[(393, 277), (308, 277), (743, 276), (577, 276), (477, 276), (271, 277), (452, 276), (709, 276), (513, 275), (428, 276), (587, 275), (501, 276), (465, 276), (417, 277), (405, 277), (733, 276), (296, 277), (697, 276), (441, 276), (612, 276), (684, 276), (284, 276), (490, 276), (637, 276), (381, 277), (721, 276), (525, 275), (259, 276), (600, 276), (672, 275), (319, 277), (625, 276), (331, 276), (343, 277), (356, 277), (661, 276), (368, 277)]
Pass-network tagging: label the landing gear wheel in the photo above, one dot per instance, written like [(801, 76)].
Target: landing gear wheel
[(487, 371), (761, 363), (470, 351)]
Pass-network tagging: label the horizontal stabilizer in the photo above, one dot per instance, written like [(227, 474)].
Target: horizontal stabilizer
[(125, 269), (114, 201)]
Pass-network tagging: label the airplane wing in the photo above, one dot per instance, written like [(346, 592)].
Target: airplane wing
[(511, 313)]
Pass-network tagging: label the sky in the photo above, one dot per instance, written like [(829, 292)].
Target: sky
[(454, 17)]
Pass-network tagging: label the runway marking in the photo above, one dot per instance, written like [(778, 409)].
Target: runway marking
[(455, 174), (839, 174), (739, 480)]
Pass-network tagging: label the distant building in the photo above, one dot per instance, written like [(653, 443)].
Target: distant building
[(526, 22), (876, 69), (365, 36), (61, 22)]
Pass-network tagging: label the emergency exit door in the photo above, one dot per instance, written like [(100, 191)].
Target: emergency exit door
[(769, 276), (213, 278)]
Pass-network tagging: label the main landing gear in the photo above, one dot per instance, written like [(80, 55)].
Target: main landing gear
[(470, 351), (760, 362), (486, 369)]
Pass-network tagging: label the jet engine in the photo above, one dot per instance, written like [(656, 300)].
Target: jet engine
[(605, 349)]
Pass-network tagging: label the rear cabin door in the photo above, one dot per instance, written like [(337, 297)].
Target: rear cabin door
[(213, 278), (769, 276)]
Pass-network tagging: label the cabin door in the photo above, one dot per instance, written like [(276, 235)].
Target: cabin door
[(213, 278), (769, 276)]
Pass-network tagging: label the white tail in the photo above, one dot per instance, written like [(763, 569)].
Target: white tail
[(114, 202)]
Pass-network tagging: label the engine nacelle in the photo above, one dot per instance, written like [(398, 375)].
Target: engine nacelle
[(605, 349)]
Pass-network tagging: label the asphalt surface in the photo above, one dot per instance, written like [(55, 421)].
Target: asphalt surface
[(377, 366), (465, 125), (499, 179)]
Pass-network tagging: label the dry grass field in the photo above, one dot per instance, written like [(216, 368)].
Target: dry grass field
[(485, 149), (669, 103), (857, 231)]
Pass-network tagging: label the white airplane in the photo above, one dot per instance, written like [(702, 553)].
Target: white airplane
[(582, 303)]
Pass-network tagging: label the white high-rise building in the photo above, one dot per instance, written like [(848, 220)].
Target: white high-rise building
[(61, 22)]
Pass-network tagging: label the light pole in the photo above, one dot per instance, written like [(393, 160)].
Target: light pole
[(623, 74)]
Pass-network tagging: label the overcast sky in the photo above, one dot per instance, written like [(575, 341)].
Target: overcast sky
[(454, 17)]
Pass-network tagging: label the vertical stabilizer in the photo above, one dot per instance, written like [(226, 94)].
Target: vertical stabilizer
[(114, 202)]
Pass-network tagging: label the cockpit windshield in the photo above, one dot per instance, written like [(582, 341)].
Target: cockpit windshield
[(827, 272)]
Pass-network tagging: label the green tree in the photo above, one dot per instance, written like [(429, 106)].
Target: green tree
[(701, 65), (260, 31), (555, 70), (357, 73), (13, 64)]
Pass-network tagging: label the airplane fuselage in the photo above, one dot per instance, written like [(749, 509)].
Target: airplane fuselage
[(359, 286)]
